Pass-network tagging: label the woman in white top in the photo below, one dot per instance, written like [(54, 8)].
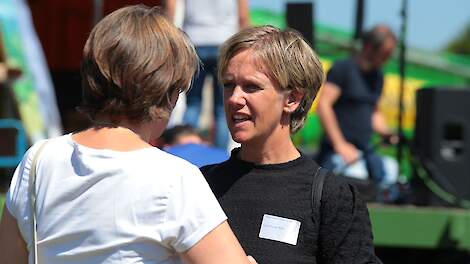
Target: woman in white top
[(105, 195)]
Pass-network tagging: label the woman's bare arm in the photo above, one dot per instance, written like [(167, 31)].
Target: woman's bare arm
[(12, 246), (218, 246)]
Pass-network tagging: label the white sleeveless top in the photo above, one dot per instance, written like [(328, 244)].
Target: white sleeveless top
[(105, 206)]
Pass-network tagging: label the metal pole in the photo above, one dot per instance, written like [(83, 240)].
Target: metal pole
[(97, 11), (402, 65), (359, 19)]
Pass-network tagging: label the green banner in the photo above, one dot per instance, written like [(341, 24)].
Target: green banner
[(23, 88)]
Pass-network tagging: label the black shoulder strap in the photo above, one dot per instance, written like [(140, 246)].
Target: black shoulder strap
[(317, 189)]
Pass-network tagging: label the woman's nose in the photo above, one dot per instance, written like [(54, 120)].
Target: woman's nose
[(236, 96)]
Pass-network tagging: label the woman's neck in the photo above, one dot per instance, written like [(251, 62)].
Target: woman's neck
[(269, 153), (117, 137)]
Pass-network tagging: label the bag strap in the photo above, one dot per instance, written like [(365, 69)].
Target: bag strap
[(32, 199), (317, 190)]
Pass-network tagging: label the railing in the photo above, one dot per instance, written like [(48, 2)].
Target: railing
[(12, 142)]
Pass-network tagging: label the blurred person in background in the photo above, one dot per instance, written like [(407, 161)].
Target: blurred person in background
[(99, 198), (208, 24), (348, 108), (271, 78), (180, 135), (185, 142)]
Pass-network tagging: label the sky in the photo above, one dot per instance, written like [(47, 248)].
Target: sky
[(431, 23)]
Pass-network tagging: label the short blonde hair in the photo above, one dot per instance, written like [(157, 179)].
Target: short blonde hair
[(287, 57), (133, 61)]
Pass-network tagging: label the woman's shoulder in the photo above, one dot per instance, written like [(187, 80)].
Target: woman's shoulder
[(216, 168), (334, 181), (345, 231), (160, 160), (338, 192)]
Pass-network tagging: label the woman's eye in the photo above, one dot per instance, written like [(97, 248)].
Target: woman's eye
[(252, 88), (228, 85)]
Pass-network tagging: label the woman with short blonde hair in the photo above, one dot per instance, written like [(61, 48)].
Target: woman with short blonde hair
[(282, 207)]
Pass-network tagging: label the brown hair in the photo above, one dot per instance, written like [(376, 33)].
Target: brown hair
[(376, 36), (133, 61), (289, 60)]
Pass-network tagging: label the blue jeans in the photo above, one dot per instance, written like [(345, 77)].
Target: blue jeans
[(387, 188), (208, 56), (374, 164)]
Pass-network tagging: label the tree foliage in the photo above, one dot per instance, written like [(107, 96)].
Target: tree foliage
[(461, 44)]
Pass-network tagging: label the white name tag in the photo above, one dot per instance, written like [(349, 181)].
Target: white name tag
[(279, 229)]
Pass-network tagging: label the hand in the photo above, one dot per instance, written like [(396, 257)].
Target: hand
[(390, 139), (348, 152), (252, 260)]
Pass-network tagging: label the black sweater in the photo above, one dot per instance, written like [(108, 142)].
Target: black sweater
[(247, 191)]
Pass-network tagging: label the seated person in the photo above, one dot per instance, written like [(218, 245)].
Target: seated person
[(185, 142), (348, 110)]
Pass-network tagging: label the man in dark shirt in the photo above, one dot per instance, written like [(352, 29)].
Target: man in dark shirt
[(348, 104)]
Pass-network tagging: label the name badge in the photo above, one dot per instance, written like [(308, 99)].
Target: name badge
[(279, 229)]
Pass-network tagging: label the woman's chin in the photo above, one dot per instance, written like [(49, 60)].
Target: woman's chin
[(242, 138), (239, 138)]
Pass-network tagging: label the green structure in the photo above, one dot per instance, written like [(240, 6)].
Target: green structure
[(420, 227)]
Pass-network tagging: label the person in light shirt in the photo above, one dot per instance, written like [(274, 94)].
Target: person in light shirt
[(105, 195)]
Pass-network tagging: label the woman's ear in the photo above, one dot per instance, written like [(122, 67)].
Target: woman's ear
[(293, 100)]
